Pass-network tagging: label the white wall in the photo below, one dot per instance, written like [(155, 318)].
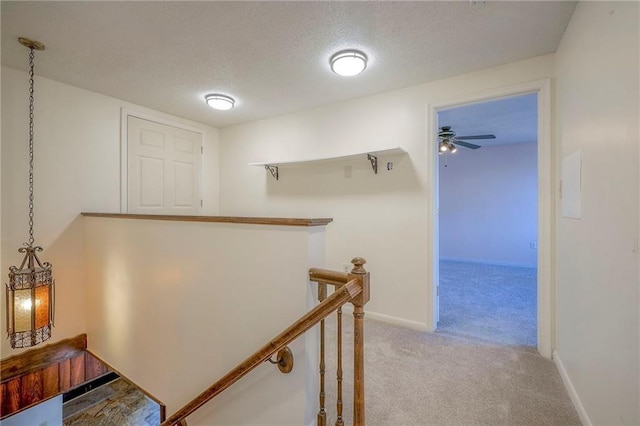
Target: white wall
[(77, 168), (176, 305), (489, 204), (597, 255), (383, 217), (47, 413)]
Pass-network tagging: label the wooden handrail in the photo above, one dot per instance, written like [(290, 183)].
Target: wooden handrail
[(279, 221), (345, 293), (327, 276)]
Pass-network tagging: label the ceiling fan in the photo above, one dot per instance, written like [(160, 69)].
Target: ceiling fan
[(449, 140)]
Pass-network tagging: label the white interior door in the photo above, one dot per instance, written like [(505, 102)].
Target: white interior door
[(163, 168)]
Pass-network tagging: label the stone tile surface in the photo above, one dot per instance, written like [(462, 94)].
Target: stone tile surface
[(117, 403)]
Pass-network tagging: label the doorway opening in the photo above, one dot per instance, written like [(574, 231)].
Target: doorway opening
[(487, 221)]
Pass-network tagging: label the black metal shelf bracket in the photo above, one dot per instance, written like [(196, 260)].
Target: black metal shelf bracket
[(374, 162), (273, 170)]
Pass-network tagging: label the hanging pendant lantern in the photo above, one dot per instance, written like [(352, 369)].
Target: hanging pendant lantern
[(30, 300), (30, 291)]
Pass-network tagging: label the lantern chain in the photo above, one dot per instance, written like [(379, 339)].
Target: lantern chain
[(31, 66)]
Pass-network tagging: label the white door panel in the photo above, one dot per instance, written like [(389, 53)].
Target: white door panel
[(150, 182), (183, 188), (163, 168)]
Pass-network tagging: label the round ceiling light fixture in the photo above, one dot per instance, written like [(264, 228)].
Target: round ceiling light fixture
[(221, 102), (348, 62)]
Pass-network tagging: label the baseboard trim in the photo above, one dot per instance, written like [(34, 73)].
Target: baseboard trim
[(584, 418), (413, 325)]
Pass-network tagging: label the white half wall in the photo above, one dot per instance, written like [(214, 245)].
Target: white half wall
[(77, 168), (47, 413), (383, 218), (176, 305), (598, 299), (489, 204)]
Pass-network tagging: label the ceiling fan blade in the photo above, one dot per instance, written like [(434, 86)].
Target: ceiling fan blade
[(467, 144), (477, 137)]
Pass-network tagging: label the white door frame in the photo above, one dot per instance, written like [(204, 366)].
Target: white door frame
[(546, 265), (124, 149)]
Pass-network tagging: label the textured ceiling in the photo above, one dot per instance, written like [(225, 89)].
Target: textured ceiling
[(272, 57)]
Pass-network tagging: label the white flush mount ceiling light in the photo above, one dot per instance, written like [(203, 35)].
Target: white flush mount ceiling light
[(348, 62), (221, 102)]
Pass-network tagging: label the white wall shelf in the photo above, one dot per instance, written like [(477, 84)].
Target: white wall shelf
[(371, 156)]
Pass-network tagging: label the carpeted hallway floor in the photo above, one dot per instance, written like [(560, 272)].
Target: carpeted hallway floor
[(473, 371), (415, 378), (493, 303)]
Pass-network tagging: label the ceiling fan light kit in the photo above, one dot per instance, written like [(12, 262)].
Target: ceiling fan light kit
[(446, 146)]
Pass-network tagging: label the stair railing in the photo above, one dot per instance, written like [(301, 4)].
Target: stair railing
[(350, 287)]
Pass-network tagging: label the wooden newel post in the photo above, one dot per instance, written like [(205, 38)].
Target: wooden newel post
[(358, 272)]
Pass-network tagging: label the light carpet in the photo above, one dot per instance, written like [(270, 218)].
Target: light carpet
[(417, 378), (494, 303)]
